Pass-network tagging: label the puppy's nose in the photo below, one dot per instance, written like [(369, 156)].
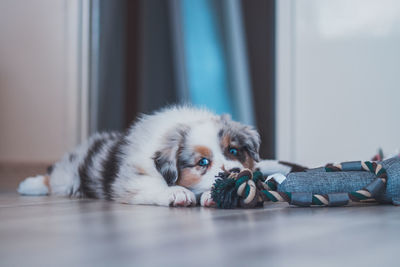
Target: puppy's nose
[(236, 170)]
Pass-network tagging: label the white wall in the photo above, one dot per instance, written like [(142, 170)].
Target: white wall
[(38, 96), (338, 79)]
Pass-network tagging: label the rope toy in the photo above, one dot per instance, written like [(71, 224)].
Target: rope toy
[(314, 187)]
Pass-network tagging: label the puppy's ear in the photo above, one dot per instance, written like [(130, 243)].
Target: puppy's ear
[(166, 159), (252, 142)]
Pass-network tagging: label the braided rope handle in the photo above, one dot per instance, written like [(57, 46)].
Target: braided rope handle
[(254, 189)]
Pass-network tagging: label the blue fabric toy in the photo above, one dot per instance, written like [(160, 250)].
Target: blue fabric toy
[(332, 185)]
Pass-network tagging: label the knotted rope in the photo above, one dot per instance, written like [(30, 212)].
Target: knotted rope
[(248, 190)]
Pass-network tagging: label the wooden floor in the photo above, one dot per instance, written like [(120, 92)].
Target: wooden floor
[(48, 231)]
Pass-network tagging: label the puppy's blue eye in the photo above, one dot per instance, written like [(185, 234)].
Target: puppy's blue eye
[(233, 151), (204, 162)]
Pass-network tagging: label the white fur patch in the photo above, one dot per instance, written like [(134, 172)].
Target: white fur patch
[(33, 186), (278, 177), (268, 167)]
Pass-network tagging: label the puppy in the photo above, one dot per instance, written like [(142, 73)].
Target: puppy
[(167, 158)]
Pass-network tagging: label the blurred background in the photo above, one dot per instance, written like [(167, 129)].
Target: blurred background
[(318, 78)]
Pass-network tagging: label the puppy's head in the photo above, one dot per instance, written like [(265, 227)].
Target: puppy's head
[(193, 155)]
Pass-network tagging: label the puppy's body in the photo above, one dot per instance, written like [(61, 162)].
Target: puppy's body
[(163, 159)]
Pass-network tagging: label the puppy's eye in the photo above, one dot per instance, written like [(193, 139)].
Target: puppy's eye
[(233, 151), (204, 162)]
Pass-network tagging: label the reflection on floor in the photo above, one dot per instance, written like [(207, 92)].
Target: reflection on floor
[(48, 231)]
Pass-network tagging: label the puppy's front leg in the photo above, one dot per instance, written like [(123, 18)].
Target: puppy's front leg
[(176, 196), (153, 191), (206, 200)]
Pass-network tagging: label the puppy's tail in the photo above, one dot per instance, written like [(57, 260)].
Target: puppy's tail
[(35, 186)]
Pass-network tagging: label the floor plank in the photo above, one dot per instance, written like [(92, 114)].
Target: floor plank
[(49, 231)]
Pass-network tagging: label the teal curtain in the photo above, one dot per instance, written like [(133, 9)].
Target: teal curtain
[(205, 61)]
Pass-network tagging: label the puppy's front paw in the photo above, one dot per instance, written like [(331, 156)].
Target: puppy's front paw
[(206, 200), (179, 196)]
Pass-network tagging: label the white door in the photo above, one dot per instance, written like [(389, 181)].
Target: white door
[(43, 77), (338, 79)]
